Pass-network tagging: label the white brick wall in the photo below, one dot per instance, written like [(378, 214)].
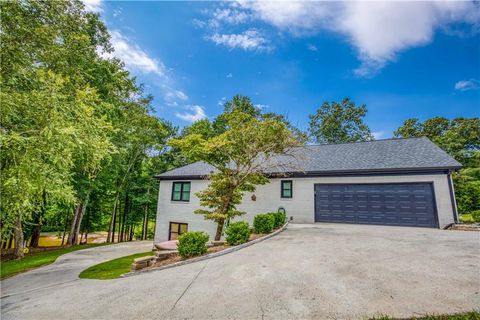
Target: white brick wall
[(300, 207)]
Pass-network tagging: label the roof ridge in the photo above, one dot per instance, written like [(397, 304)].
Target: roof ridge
[(369, 141)]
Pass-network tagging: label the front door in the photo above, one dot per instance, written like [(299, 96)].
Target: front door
[(177, 229)]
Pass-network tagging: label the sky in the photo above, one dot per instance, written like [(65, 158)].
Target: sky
[(400, 59)]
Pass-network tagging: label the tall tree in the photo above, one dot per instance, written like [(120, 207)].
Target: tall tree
[(339, 122), (239, 155)]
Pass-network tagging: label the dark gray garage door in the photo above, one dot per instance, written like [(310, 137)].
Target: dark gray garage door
[(399, 204)]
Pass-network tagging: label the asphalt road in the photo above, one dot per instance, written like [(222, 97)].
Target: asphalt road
[(320, 271)]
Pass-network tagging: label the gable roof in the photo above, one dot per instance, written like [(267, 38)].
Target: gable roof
[(371, 156)]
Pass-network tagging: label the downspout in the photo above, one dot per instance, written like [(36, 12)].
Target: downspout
[(452, 197)]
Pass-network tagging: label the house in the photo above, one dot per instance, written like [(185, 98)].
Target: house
[(397, 182)]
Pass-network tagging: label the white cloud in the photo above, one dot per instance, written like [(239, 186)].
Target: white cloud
[(230, 15), (379, 31), (312, 47), (465, 85), (174, 94), (229, 75), (378, 134), (134, 57), (93, 5), (250, 40), (194, 113)]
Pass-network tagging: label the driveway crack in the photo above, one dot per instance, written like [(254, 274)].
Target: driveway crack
[(188, 287)]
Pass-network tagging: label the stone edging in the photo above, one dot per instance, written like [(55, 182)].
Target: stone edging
[(208, 256)]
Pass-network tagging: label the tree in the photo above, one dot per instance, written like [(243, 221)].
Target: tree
[(240, 155), (76, 128), (339, 122)]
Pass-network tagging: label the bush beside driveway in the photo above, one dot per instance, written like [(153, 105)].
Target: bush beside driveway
[(308, 271)]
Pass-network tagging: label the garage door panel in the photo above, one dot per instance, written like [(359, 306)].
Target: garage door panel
[(405, 204)]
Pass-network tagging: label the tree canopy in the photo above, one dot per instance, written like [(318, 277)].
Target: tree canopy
[(340, 122)]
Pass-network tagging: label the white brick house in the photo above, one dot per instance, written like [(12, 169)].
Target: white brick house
[(402, 182)]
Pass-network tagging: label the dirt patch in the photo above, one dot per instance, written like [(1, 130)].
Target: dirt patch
[(465, 227)]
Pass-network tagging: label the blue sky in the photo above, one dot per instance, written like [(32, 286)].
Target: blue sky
[(410, 59)]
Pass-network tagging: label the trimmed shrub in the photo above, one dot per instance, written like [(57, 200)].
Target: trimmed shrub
[(237, 233), (263, 223), (192, 244), (476, 215), (280, 218)]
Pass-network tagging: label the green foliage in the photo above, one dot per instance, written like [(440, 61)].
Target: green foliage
[(112, 269), (280, 218), (237, 233), (467, 189), (76, 128), (339, 122), (192, 244), (263, 223), (475, 215), (245, 142)]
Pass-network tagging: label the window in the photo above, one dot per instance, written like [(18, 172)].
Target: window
[(181, 191), (177, 229), (287, 189)]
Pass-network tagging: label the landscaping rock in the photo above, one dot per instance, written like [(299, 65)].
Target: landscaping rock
[(143, 262), (167, 245), (164, 254)]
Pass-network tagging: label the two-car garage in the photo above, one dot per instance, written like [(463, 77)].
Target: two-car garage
[(398, 204)]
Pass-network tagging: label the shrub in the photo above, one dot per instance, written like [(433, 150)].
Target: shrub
[(280, 218), (476, 215), (237, 233), (192, 244), (263, 223)]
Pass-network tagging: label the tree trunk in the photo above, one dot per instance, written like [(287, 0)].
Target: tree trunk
[(111, 229), (82, 213), (10, 241), (35, 236), (18, 252), (73, 236), (38, 222), (220, 224), (145, 223)]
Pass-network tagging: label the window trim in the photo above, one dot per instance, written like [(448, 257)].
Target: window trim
[(182, 183), (282, 195), (170, 229)]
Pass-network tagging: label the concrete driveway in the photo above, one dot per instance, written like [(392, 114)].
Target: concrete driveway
[(308, 271)]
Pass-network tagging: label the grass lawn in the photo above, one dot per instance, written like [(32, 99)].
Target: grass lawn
[(112, 269), (473, 315), (37, 259)]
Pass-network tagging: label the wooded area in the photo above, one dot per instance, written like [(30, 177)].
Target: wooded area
[(80, 145)]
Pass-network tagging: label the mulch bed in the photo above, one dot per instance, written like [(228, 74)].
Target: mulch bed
[(465, 227)]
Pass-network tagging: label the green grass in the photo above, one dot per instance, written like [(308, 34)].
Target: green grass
[(37, 259), (113, 268), (473, 315)]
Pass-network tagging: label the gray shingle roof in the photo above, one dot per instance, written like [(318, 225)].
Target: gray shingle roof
[(379, 155)]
